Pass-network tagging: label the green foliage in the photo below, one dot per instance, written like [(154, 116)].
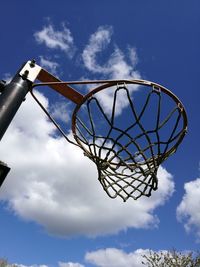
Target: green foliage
[(171, 258)]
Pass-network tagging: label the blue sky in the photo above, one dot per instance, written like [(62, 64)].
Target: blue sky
[(53, 211)]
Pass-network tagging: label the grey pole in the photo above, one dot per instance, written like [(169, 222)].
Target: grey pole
[(11, 97)]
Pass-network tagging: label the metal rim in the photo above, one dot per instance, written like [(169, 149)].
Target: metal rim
[(108, 84)]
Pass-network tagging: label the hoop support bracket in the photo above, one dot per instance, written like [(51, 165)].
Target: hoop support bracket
[(32, 71)]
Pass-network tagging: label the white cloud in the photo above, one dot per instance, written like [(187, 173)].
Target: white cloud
[(7, 77), (188, 210), (52, 183), (49, 65), (109, 257), (98, 41), (119, 65), (133, 55), (34, 265), (55, 39), (60, 264), (70, 264), (119, 68), (59, 110), (116, 67), (112, 257)]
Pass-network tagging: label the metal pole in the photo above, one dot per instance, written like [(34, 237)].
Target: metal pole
[(11, 97)]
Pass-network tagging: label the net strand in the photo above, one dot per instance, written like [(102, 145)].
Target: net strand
[(51, 119)]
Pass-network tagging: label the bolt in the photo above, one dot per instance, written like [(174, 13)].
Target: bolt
[(25, 74), (32, 64)]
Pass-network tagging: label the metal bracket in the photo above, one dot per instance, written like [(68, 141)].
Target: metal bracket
[(30, 71), (2, 85), (4, 170)]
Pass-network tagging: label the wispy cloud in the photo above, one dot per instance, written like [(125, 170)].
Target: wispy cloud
[(56, 39), (7, 77), (98, 41), (118, 66), (60, 111), (188, 210)]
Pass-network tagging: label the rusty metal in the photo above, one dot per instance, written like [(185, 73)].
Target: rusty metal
[(62, 88)]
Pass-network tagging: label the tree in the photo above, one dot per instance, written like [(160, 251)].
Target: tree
[(4, 263), (171, 258)]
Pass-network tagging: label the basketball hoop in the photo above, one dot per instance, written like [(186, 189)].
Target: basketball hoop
[(126, 127), (127, 140)]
